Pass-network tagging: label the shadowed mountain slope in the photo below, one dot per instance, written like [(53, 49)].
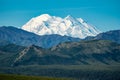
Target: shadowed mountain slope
[(83, 53)]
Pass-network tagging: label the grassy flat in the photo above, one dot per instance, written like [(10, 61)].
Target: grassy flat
[(21, 77)]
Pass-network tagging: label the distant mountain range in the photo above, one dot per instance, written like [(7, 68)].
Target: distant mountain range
[(19, 47), (26, 53), (68, 26), (113, 35), (20, 37), (82, 53), (60, 43)]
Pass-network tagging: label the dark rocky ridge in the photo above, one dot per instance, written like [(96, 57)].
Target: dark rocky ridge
[(70, 53)]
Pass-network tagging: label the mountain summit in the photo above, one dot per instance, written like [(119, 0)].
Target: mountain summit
[(69, 26)]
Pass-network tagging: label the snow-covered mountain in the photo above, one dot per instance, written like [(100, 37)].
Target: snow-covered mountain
[(69, 26)]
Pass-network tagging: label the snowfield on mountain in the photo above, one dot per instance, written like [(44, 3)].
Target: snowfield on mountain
[(68, 26)]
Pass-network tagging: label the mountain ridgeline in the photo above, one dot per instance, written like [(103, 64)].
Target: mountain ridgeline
[(92, 58), (19, 47), (20, 37), (69, 53), (113, 35), (68, 26)]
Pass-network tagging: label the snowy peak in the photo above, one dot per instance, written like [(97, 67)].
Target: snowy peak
[(43, 17), (69, 17), (81, 20), (69, 26)]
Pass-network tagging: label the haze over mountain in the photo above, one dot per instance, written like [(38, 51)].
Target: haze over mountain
[(20, 37), (68, 26), (61, 49), (113, 35)]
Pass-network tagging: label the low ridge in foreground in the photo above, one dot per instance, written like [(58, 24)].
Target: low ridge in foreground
[(70, 53)]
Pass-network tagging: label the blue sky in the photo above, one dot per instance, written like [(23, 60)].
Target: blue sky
[(104, 14)]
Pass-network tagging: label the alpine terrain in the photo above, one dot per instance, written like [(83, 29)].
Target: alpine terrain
[(9, 34), (69, 26), (67, 48), (113, 35)]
